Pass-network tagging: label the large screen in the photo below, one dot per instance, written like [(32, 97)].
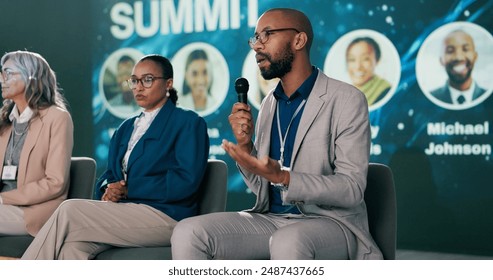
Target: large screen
[(425, 67)]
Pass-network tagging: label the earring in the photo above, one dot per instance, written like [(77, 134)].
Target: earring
[(167, 93)]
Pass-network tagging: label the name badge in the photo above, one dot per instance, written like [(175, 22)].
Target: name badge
[(9, 172)]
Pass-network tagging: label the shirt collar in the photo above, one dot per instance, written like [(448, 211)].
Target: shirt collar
[(466, 93), (22, 118), (304, 90), (146, 118), (151, 114)]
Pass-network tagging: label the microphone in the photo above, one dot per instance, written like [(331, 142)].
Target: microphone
[(241, 87)]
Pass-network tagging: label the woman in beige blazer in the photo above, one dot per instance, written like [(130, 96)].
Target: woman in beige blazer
[(36, 140)]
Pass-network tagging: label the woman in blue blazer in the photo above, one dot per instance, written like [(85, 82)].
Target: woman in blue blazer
[(155, 164)]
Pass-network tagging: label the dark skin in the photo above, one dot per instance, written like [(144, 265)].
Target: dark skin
[(148, 98), (241, 119), (115, 191), (458, 58), (242, 125)]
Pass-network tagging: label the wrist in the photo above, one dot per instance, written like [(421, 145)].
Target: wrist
[(283, 180), (286, 179), (248, 147)]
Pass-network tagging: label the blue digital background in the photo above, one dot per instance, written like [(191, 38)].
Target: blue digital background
[(442, 199)]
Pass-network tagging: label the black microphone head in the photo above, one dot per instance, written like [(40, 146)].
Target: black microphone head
[(241, 87)]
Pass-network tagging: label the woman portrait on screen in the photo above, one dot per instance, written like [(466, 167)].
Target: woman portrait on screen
[(362, 57), (198, 82)]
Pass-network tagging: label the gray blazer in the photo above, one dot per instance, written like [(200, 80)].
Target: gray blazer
[(329, 162)]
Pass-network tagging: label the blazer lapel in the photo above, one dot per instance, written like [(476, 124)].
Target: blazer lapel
[(4, 140), (126, 130), (312, 108), (155, 130), (265, 120), (35, 128), (477, 92)]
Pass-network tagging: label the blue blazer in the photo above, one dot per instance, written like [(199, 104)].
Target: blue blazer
[(166, 165)]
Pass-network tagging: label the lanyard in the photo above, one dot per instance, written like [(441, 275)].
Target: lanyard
[(13, 145), (282, 140)]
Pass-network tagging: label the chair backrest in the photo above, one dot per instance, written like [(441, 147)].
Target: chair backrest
[(82, 177), (212, 198), (381, 206), (214, 187)]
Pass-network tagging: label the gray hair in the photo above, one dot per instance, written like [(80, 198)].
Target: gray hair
[(41, 89)]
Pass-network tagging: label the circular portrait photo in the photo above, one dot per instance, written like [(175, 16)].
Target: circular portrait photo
[(259, 87), (369, 61), (115, 93), (201, 77), (454, 65)]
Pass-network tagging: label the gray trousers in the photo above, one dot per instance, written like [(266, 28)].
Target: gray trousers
[(80, 229), (244, 235)]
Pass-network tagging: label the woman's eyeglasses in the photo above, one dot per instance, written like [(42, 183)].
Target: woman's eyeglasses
[(146, 81)]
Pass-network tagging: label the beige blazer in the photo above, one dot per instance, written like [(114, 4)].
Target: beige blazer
[(44, 166), (329, 162)]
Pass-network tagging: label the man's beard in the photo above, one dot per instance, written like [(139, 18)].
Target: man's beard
[(458, 78), (279, 68)]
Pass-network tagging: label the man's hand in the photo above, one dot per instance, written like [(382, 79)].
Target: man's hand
[(115, 191), (241, 122), (265, 167)]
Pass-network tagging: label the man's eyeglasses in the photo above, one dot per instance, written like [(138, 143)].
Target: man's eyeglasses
[(7, 75), (263, 36), (146, 81)]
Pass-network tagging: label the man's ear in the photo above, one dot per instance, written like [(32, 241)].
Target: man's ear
[(300, 41)]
